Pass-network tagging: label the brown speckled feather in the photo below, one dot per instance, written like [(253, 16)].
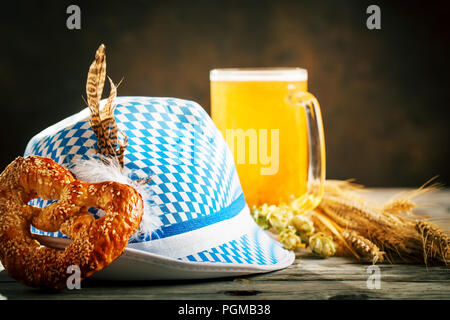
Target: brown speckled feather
[(102, 122), (96, 79)]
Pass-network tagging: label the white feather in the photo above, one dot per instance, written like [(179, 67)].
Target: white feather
[(101, 168)]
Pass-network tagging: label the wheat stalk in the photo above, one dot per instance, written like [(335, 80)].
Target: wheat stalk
[(399, 206), (391, 230), (435, 241), (363, 246), (366, 230)]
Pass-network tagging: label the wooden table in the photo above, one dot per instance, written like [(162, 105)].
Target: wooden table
[(308, 278)]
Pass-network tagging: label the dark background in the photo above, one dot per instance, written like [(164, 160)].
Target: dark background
[(384, 93)]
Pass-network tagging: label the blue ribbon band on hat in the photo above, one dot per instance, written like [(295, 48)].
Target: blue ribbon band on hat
[(191, 225)]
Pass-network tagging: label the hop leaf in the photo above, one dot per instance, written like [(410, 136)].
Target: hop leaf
[(322, 245), (304, 226), (289, 238)]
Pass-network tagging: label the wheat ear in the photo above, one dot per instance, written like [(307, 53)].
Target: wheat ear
[(436, 244), (363, 246)]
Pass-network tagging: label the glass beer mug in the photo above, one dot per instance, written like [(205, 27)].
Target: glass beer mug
[(273, 127)]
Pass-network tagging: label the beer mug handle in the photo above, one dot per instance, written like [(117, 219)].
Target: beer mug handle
[(316, 149)]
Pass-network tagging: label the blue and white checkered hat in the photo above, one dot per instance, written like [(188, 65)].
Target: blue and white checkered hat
[(204, 227)]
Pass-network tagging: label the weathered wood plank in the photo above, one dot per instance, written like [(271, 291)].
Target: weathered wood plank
[(309, 277), (312, 289)]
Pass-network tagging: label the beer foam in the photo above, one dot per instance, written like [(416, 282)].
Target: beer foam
[(259, 74)]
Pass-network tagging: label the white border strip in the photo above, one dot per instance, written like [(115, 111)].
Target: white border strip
[(205, 238)]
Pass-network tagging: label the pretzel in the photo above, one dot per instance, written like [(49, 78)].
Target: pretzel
[(95, 242)]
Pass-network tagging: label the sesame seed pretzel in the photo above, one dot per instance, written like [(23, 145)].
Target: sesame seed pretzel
[(95, 242)]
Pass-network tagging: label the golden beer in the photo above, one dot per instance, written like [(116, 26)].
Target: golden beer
[(266, 130)]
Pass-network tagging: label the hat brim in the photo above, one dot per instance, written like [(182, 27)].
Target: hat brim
[(138, 264)]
